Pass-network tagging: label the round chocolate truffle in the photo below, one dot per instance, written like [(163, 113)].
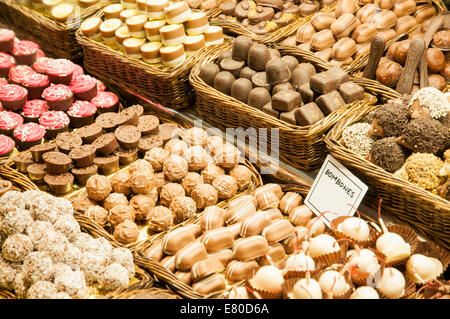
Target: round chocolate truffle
[(204, 195), (213, 142), (126, 232), (98, 214), (176, 147), (211, 171), (242, 175), (190, 181), (120, 213), (388, 154), (258, 56), (226, 186), (175, 168), (258, 97), (227, 156), (113, 200), (241, 46), (98, 187), (183, 207), (141, 182), (120, 182), (81, 204), (142, 205), (223, 82), (208, 72), (195, 136), (156, 157), (197, 158), (169, 192), (160, 218), (140, 166)]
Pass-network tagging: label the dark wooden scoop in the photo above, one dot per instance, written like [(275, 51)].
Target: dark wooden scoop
[(377, 46), (415, 52)]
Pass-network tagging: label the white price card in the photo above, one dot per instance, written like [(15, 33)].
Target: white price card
[(335, 191)]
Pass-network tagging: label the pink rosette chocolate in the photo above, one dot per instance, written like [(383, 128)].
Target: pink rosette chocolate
[(84, 87), (81, 113), (18, 74), (6, 40), (6, 63), (6, 145), (40, 54), (35, 84), (9, 121), (25, 52), (33, 109), (100, 86), (54, 119), (106, 102), (28, 135), (60, 71), (42, 64), (58, 96), (3, 81), (77, 70), (13, 97)]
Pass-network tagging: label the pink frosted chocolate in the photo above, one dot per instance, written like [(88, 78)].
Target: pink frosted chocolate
[(61, 71), (77, 70), (59, 97), (42, 64), (6, 40), (18, 74), (100, 86), (82, 109), (35, 84), (13, 97), (3, 81), (6, 145), (28, 135), (9, 121), (54, 119), (33, 109), (106, 101), (6, 63), (40, 54), (25, 52), (84, 87)]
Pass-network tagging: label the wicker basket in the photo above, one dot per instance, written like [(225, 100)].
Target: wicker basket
[(427, 213), (233, 27), (56, 38), (301, 147), (170, 88)]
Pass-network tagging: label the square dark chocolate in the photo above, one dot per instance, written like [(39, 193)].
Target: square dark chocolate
[(308, 114), (268, 109), (351, 92), (306, 93), (289, 116), (340, 74), (286, 100), (324, 82), (330, 102)]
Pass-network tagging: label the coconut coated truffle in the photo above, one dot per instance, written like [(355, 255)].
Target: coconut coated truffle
[(93, 265), (123, 257), (115, 276), (38, 265), (68, 226), (42, 290), (11, 200), (16, 247), (16, 221), (72, 282), (37, 229), (387, 154), (356, 138)]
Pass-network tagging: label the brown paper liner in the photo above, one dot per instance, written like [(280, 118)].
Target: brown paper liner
[(365, 243), (264, 293), (347, 294), (288, 286), (35, 92), (410, 287), (427, 293), (335, 257), (297, 274), (430, 249)]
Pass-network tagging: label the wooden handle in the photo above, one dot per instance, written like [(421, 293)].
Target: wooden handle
[(446, 22), (434, 26), (423, 70), (376, 52), (405, 82)]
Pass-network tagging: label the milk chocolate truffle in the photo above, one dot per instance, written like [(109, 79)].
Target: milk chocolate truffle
[(213, 143), (241, 46), (191, 180), (210, 172), (156, 157), (290, 61), (175, 167), (140, 166), (141, 182), (208, 72), (97, 214), (121, 213), (197, 158), (120, 182), (98, 187), (204, 195), (242, 175), (226, 186), (227, 156), (160, 218), (195, 136), (223, 82), (82, 204), (142, 205), (258, 56), (126, 232), (183, 207), (277, 71), (240, 89), (258, 97), (176, 147), (387, 154), (113, 200), (169, 192), (247, 73)]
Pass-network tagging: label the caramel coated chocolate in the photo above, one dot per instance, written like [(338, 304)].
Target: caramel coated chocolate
[(278, 230), (286, 101), (206, 267), (308, 114), (351, 92), (218, 239), (255, 224), (210, 284), (241, 270), (330, 102), (189, 255), (250, 248)]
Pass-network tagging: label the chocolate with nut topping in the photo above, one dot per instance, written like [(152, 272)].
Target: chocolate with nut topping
[(89, 133), (148, 142), (68, 141), (36, 172), (106, 144), (108, 121), (57, 163), (148, 124), (38, 150), (83, 156), (128, 136)]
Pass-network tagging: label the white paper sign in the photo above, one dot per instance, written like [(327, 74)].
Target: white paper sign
[(335, 190)]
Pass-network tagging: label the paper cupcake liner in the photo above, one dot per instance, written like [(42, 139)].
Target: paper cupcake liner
[(264, 293), (346, 295), (333, 258), (35, 92), (14, 105), (61, 105), (76, 121), (26, 145), (7, 45), (87, 95), (288, 286), (114, 108), (56, 79), (30, 119), (431, 249), (4, 71), (8, 132), (365, 243), (27, 59), (427, 293)]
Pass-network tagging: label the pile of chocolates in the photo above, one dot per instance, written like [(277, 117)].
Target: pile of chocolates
[(265, 16), (410, 137), (41, 97), (160, 33), (172, 183), (279, 85), (343, 35), (271, 243), (45, 255)]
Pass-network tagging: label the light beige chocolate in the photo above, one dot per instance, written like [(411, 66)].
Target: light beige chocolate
[(255, 224), (241, 270), (278, 230), (176, 9), (404, 8), (155, 252), (343, 49), (189, 255), (171, 53), (290, 201), (213, 217), (126, 14), (62, 12), (384, 20), (194, 43), (404, 24), (362, 48), (346, 6), (168, 262), (323, 54), (293, 242), (366, 13), (322, 40), (388, 35), (321, 21), (171, 32), (273, 213), (301, 215), (224, 256), (91, 26), (424, 11), (150, 50), (240, 208), (276, 253), (195, 228), (112, 11), (214, 283), (364, 33), (141, 6), (108, 27), (132, 46), (176, 240), (305, 33), (152, 29), (196, 20), (184, 276), (267, 199), (271, 187), (344, 25), (218, 239), (156, 6), (213, 33), (136, 23), (121, 35), (250, 248), (206, 267)]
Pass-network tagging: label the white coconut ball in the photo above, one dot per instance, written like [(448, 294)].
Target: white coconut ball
[(355, 228), (268, 278), (322, 245), (421, 269), (365, 292), (306, 289)]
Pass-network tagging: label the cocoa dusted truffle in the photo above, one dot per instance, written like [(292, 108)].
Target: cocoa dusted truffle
[(98, 214), (142, 205), (113, 200), (175, 168), (425, 135), (204, 195), (211, 171), (98, 187), (389, 120), (120, 182), (226, 186), (387, 154), (183, 207), (160, 218), (126, 232), (156, 157), (169, 192), (191, 180), (242, 175), (120, 213)]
